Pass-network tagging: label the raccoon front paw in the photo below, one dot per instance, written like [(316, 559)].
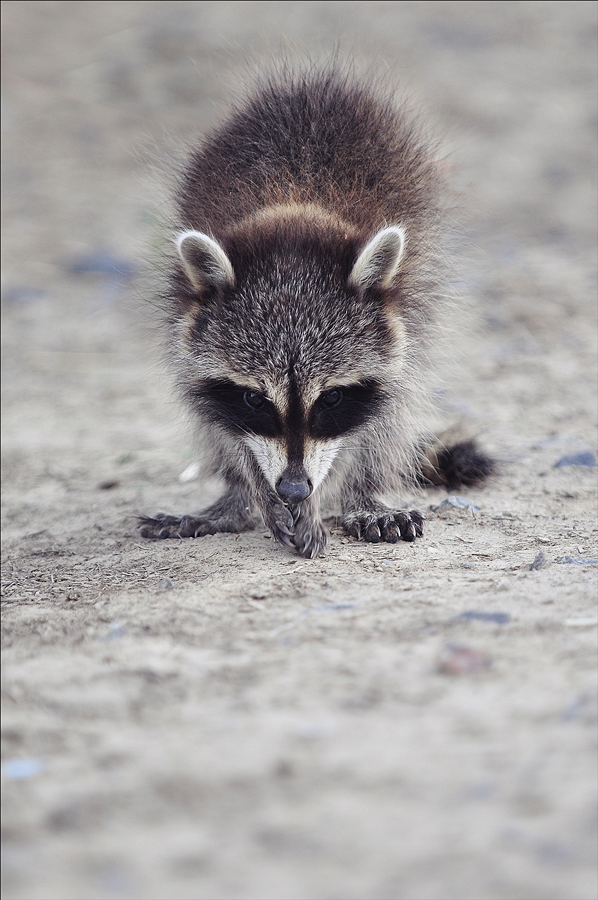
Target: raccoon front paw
[(280, 522), (386, 526), (310, 538), (162, 526)]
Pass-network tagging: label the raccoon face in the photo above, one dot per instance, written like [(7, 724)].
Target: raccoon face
[(294, 444), (293, 362)]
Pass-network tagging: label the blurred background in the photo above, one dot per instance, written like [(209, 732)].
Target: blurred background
[(100, 101)]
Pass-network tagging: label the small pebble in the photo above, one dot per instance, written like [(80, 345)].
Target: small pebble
[(457, 659), (458, 503), (549, 442), (587, 458), (15, 769), (107, 485), (538, 562), (165, 584), (116, 631), (330, 607), (499, 617), (577, 561), (190, 473)]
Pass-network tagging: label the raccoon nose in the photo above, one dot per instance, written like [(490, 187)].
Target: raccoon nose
[(293, 489)]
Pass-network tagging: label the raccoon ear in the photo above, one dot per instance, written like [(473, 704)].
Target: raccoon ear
[(205, 262), (378, 262)]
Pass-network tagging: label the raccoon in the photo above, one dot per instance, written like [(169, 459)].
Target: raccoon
[(301, 308)]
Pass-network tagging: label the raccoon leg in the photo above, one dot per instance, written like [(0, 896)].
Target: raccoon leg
[(310, 536), (233, 512), (367, 520)]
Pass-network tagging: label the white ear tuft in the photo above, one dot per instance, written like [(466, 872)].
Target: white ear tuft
[(205, 262), (378, 262)]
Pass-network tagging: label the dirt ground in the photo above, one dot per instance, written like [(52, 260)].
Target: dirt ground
[(219, 718)]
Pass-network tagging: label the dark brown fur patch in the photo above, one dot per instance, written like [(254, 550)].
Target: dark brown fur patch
[(310, 138)]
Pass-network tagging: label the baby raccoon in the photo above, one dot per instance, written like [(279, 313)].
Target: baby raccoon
[(301, 307)]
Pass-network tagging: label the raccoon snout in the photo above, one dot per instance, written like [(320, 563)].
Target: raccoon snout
[(293, 489)]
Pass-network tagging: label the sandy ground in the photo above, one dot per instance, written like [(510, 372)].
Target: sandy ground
[(218, 718)]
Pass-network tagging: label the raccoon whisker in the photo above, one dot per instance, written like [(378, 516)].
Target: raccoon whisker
[(335, 470)]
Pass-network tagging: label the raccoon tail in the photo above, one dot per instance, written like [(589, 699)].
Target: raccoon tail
[(452, 466)]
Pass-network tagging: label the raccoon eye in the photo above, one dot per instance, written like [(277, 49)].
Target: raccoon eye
[(331, 399), (344, 409), (238, 409), (253, 400)]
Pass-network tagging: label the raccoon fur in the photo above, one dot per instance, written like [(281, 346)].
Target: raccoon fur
[(301, 307)]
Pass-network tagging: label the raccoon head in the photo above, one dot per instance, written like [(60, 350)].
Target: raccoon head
[(292, 342)]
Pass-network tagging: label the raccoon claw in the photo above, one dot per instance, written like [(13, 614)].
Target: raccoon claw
[(417, 520), (311, 541), (389, 527), (282, 534), (281, 525), (406, 526), (159, 527), (372, 533), (390, 530)]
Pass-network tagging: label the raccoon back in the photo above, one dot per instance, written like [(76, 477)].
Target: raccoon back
[(313, 138)]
